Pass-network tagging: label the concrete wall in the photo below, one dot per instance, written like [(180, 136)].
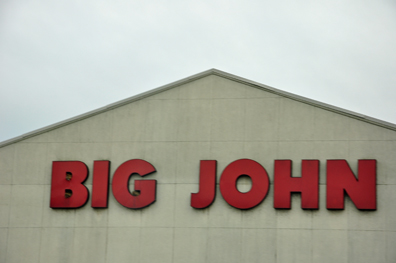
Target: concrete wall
[(209, 118)]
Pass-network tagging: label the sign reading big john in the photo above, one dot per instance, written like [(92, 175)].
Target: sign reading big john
[(210, 168), (68, 190)]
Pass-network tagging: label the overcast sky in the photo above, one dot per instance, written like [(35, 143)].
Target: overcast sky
[(59, 59)]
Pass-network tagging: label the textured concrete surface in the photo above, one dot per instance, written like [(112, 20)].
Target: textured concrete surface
[(211, 118)]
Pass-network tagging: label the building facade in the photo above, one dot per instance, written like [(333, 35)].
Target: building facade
[(209, 116)]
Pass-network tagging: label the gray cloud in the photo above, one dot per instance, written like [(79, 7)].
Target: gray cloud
[(64, 58)]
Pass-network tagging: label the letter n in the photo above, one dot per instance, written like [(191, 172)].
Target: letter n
[(341, 181)]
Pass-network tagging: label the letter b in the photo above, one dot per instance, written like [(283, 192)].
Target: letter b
[(67, 189)]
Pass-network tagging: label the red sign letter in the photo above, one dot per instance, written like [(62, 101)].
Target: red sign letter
[(307, 184), (100, 184), (207, 185), (145, 190), (260, 184), (67, 189), (341, 179)]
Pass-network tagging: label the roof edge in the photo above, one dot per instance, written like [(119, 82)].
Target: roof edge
[(106, 108), (213, 71), (322, 105)]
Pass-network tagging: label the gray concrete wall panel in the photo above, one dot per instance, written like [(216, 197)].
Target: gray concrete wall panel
[(5, 203), (7, 157)]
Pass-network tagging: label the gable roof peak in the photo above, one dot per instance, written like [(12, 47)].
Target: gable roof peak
[(212, 71)]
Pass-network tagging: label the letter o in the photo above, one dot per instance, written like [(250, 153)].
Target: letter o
[(260, 184)]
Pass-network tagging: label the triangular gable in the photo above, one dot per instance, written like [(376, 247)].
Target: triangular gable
[(192, 78)]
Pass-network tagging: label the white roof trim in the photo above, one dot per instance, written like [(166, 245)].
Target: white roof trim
[(219, 73)]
